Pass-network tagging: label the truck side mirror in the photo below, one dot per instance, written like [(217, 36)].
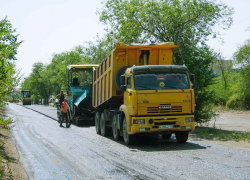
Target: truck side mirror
[(122, 79), (192, 78), (123, 87)]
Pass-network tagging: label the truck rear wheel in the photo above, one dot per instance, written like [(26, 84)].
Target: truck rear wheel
[(116, 131), (103, 126), (128, 139), (97, 122), (181, 136)]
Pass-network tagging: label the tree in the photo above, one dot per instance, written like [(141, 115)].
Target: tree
[(47, 80), (38, 82), (9, 77), (242, 56), (224, 67), (97, 52), (188, 23)]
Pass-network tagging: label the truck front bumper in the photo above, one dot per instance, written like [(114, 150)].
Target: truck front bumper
[(162, 124)]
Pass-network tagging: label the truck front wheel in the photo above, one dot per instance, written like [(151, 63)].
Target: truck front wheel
[(181, 136), (97, 122), (128, 139)]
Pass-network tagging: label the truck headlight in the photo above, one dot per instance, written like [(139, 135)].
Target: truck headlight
[(189, 119), (139, 121)]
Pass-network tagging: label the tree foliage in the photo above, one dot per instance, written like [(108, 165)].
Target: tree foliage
[(232, 86), (191, 21), (242, 56), (48, 80), (188, 23), (9, 77)]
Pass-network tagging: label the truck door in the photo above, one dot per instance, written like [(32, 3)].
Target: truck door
[(130, 97)]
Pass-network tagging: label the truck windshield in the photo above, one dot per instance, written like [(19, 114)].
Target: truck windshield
[(159, 81), (82, 77), (26, 94)]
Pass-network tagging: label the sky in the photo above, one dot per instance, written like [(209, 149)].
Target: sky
[(53, 26)]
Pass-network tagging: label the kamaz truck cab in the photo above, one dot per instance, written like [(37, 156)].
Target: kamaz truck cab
[(159, 97), (79, 80)]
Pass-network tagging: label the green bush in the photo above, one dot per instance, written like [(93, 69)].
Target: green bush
[(4, 123), (221, 95), (235, 102), (35, 99)]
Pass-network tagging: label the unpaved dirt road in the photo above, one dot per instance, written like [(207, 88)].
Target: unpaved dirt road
[(50, 152), (232, 120)]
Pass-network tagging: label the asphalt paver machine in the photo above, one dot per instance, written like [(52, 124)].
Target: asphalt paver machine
[(79, 80)]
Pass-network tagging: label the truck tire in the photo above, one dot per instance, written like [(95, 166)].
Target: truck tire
[(181, 136), (103, 126), (115, 130), (128, 139), (117, 77), (97, 122)]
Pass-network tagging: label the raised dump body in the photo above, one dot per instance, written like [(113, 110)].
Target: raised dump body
[(137, 90), (106, 77)]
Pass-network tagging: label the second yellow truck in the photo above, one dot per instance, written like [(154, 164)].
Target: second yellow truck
[(137, 90)]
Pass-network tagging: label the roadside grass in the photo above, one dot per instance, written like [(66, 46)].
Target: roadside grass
[(4, 123), (219, 134), (225, 108)]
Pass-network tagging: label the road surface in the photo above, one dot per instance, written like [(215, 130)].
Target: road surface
[(232, 121), (50, 152)]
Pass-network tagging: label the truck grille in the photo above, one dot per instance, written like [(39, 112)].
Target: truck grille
[(172, 109)]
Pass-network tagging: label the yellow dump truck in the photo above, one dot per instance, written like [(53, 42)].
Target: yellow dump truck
[(137, 90)]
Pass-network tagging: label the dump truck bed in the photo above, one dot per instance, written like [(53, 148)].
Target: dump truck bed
[(104, 87)]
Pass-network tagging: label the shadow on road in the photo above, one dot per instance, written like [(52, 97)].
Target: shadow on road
[(152, 144), (85, 125)]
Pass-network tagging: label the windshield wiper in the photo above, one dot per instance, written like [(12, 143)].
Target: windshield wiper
[(175, 87), (171, 87), (148, 88)]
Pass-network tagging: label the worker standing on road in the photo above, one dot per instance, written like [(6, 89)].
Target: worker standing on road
[(61, 97), (64, 111)]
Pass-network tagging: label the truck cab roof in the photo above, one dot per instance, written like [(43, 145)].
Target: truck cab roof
[(148, 68)]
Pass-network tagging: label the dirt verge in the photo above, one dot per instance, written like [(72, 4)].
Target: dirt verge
[(12, 168)]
